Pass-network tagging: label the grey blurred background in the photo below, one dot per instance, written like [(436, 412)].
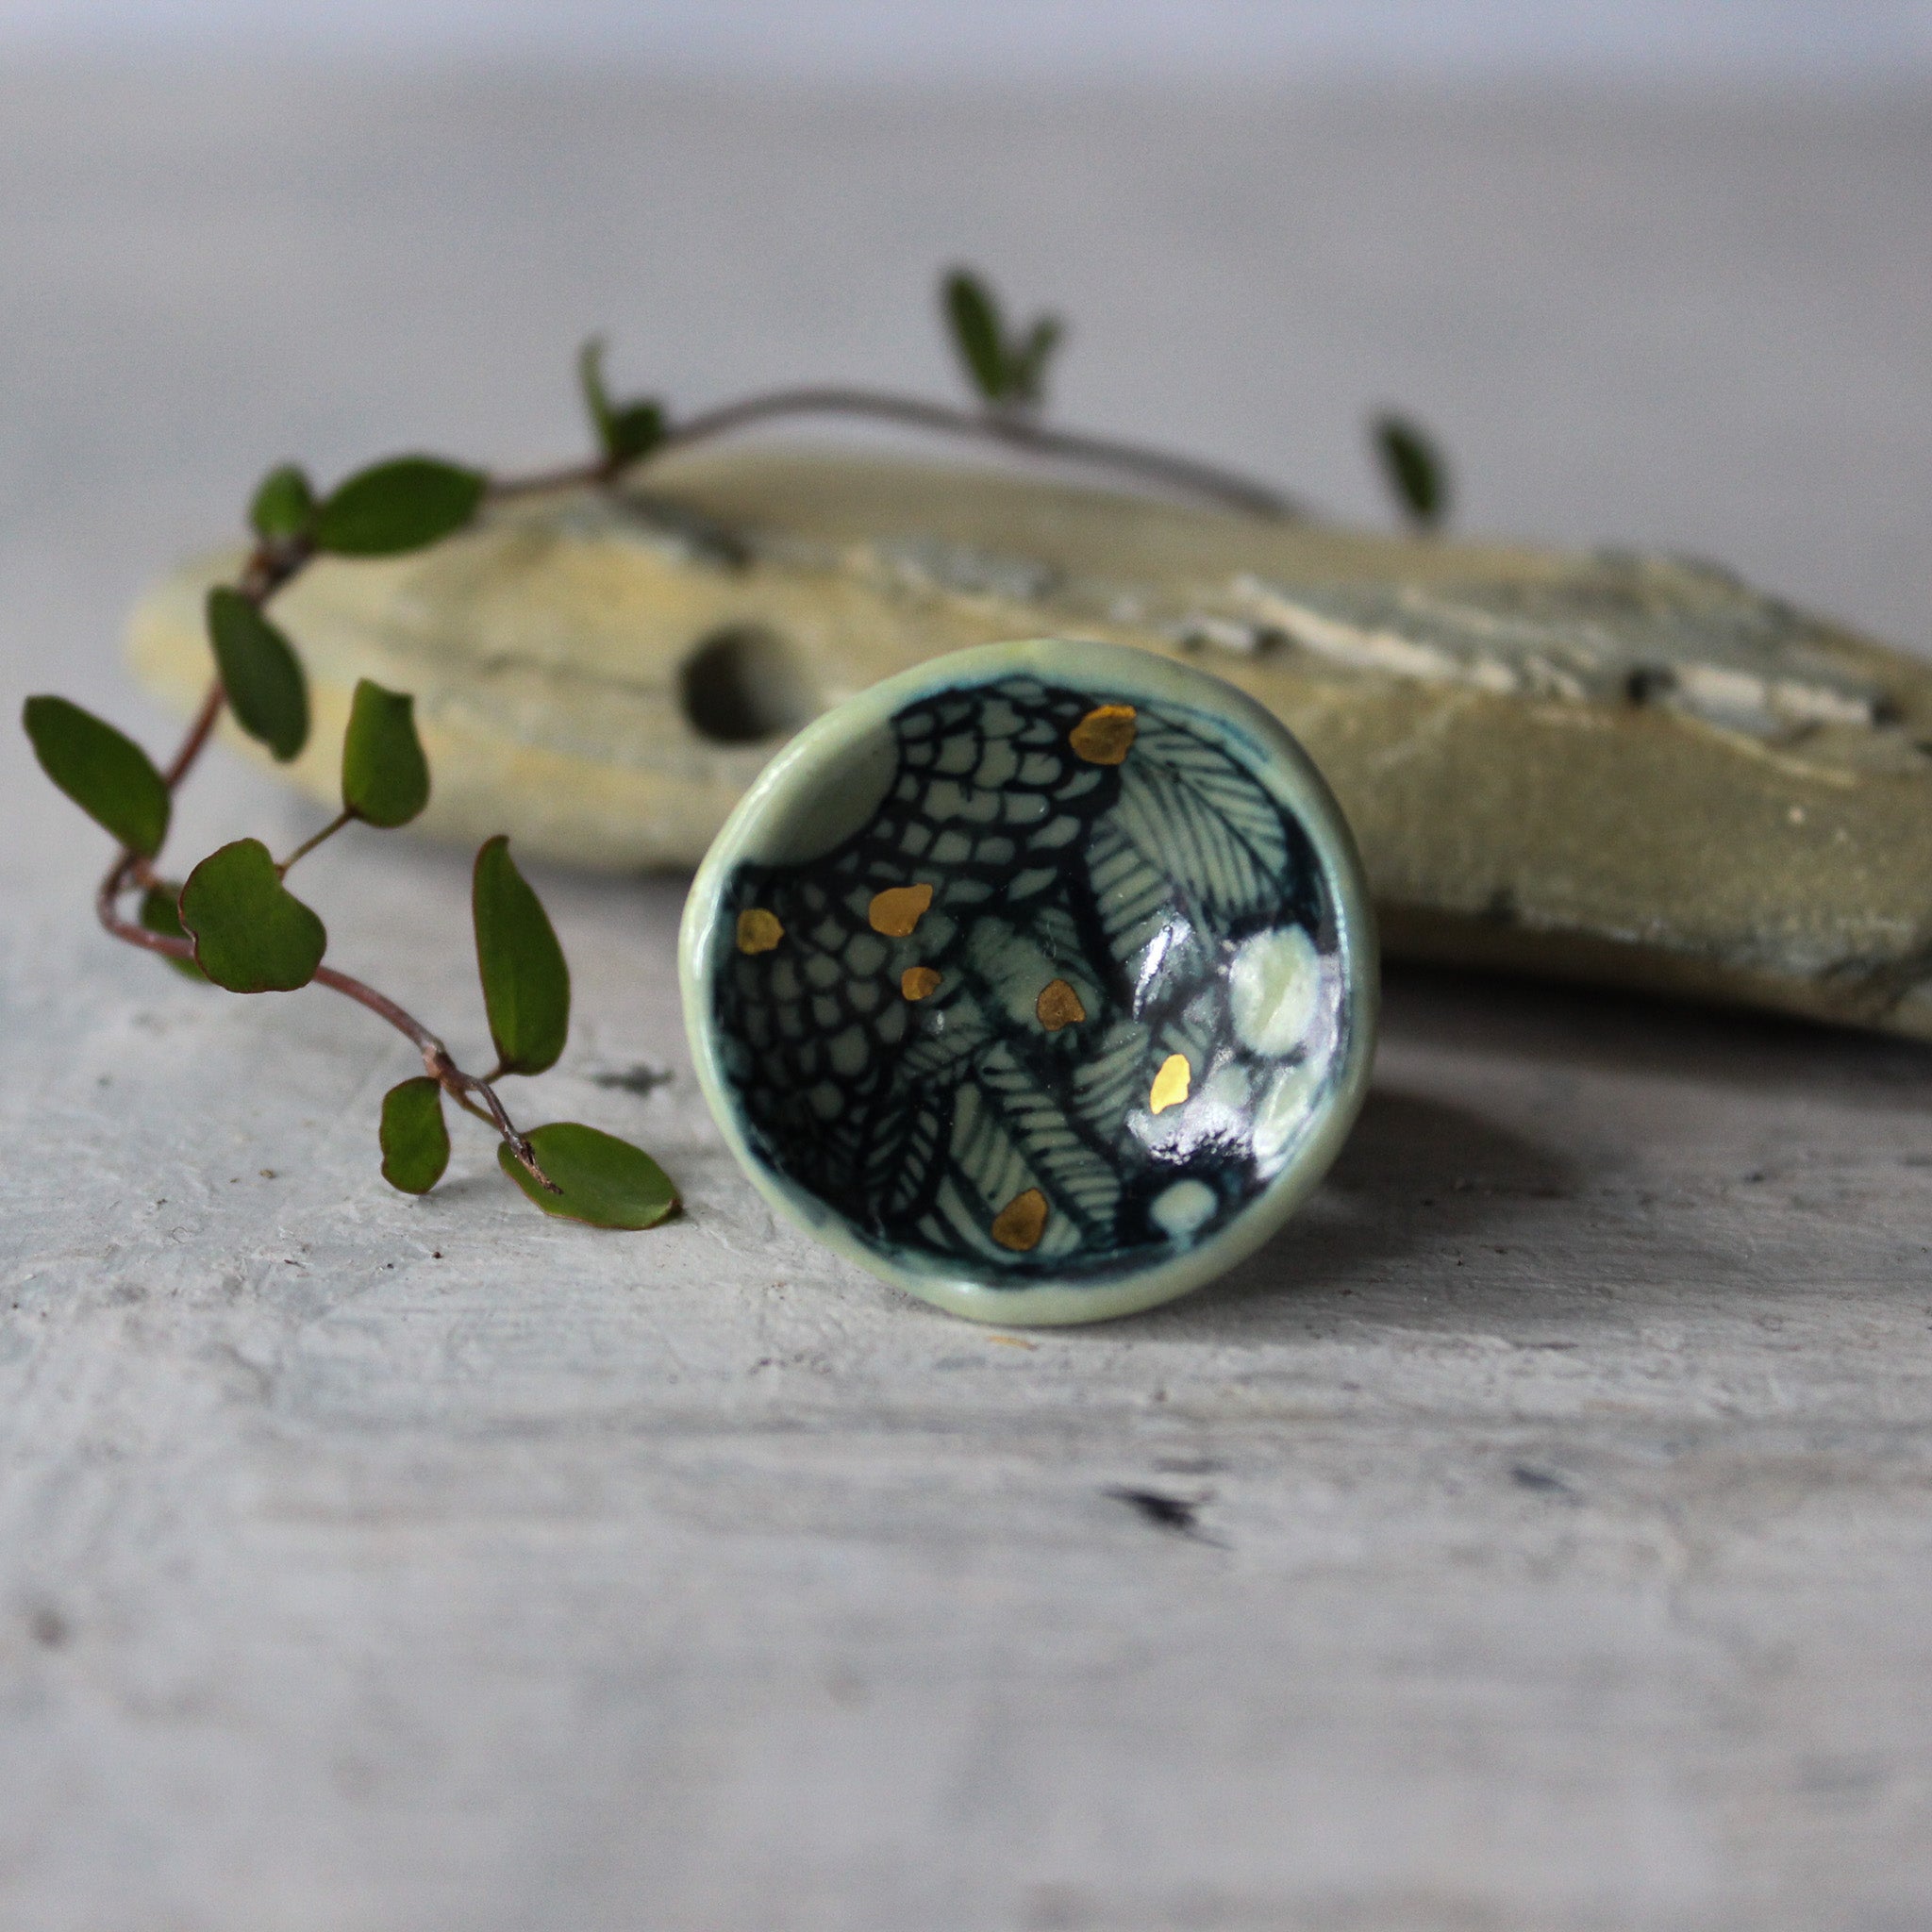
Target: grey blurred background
[(1804, 39), (349, 1581), (1656, 274)]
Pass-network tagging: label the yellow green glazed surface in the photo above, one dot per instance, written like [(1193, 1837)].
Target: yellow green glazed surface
[(1630, 770)]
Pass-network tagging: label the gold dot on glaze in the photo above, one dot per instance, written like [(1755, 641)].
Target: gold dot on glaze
[(1058, 1006), (898, 909), (1105, 735), (1019, 1224), (1171, 1083), (919, 982), (758, 931)]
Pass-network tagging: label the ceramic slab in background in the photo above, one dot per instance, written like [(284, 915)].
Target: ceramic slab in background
[(1560, 1557)]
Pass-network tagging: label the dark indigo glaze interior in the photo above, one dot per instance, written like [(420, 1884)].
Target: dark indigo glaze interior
[(994, 1091)]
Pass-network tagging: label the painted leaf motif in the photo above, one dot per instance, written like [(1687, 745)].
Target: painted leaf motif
[(903, 1162), (1196, 1032), (943, 1055), (1131, 890), (1189, 810), (985, 1159), (1075, 1172), (1112, 1079)]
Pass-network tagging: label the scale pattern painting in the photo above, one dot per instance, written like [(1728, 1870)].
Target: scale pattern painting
[(1068, 999)]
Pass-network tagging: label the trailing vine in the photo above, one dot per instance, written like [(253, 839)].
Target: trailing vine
[(232, 919)]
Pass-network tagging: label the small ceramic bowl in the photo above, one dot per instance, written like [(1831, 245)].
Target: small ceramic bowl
[(1039, 980)]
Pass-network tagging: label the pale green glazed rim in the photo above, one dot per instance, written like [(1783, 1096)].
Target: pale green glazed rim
[(1114, 670)]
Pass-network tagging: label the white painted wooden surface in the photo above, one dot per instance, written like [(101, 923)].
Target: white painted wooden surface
[(1563, 1556)]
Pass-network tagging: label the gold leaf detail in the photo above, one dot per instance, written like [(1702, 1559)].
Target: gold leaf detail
[(758, 931), (1058, 1006), (898, 909), (1019, 1224), (919, 982), (1105, 735), (1171, 1083)]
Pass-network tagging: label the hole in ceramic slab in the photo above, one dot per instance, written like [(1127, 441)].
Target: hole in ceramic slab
[(743, 685)]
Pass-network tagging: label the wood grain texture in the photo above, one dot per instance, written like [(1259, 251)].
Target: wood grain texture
[(1540, 1531)]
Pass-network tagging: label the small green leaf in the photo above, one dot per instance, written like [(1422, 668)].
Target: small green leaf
[(260, 672), (107, 775), (636, 430), (385, 775), (415, 1140), (160, 912), (284, 505), (251, 934), (604, 1181), (1413, 469), (624, 432), (405, 504), (596, 397), (525, 981), (1030, 365), (972, 316)]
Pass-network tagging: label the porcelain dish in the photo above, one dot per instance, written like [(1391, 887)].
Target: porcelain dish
[(1041, 980)]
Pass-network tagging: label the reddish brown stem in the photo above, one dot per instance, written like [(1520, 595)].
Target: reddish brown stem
[(565, 476), (269, 567), (1183, 474), (436, 1062), (198, 734), (273, 562), (309, 845)]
